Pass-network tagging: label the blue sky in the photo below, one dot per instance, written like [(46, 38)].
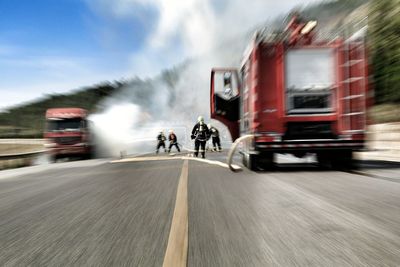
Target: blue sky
[(53, 46)]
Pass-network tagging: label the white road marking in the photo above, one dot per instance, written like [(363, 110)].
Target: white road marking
[(213, 162), (144, 159), (208, 161)]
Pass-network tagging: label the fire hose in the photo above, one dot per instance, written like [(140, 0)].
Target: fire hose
[(233, 149)]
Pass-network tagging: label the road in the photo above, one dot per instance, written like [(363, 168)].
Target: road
[(128, 213)]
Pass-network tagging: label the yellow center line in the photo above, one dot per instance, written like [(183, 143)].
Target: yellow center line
[(177, 247)]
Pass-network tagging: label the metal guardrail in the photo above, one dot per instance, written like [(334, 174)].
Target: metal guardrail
[(21, 155), (15, 160), (22, 141), (7, 159)]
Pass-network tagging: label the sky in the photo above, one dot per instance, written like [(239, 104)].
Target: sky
[(55, 46)]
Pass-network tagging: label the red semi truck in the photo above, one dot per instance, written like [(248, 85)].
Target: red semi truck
[(295, 95), (67, 133)]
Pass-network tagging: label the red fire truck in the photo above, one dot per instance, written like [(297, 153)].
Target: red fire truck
[(295, 95), (67, 133)]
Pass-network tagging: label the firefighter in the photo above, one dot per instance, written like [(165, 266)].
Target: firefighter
[(173, 141), (200, 134), (215, 138), (161, 141)]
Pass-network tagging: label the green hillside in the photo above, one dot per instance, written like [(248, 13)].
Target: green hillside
[(27, 121)]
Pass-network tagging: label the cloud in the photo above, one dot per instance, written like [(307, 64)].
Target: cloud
[(120, 8), (192, 27)]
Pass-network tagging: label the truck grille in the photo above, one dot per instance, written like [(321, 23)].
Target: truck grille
[(309, 130), (311, 102), (67, 140)]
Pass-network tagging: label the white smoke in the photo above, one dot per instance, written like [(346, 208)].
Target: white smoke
[(205, 31), (115, 126)]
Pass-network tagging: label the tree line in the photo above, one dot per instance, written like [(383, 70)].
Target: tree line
[(384, 40)]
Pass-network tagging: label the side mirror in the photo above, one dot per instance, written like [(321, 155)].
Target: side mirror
[(229, 87), (228, 78)]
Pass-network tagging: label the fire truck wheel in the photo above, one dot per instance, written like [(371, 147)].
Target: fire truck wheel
[(324, 159), (266, 161), (250, 161), (53, 158), (336, 160), (87, 156), (253, 163), (342, 160), (245, 160), (260, 162)]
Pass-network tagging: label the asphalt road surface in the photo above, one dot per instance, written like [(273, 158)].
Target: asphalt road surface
[(128, 213)]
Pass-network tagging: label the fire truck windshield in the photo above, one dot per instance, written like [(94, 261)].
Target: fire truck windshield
[(64, 125)]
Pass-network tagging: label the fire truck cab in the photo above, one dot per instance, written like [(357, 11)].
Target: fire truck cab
[(67, 133), (295, 95)]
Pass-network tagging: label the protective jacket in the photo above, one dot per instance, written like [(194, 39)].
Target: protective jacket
[(172, 138), (161, 138), (214, 132), (200, 132)]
